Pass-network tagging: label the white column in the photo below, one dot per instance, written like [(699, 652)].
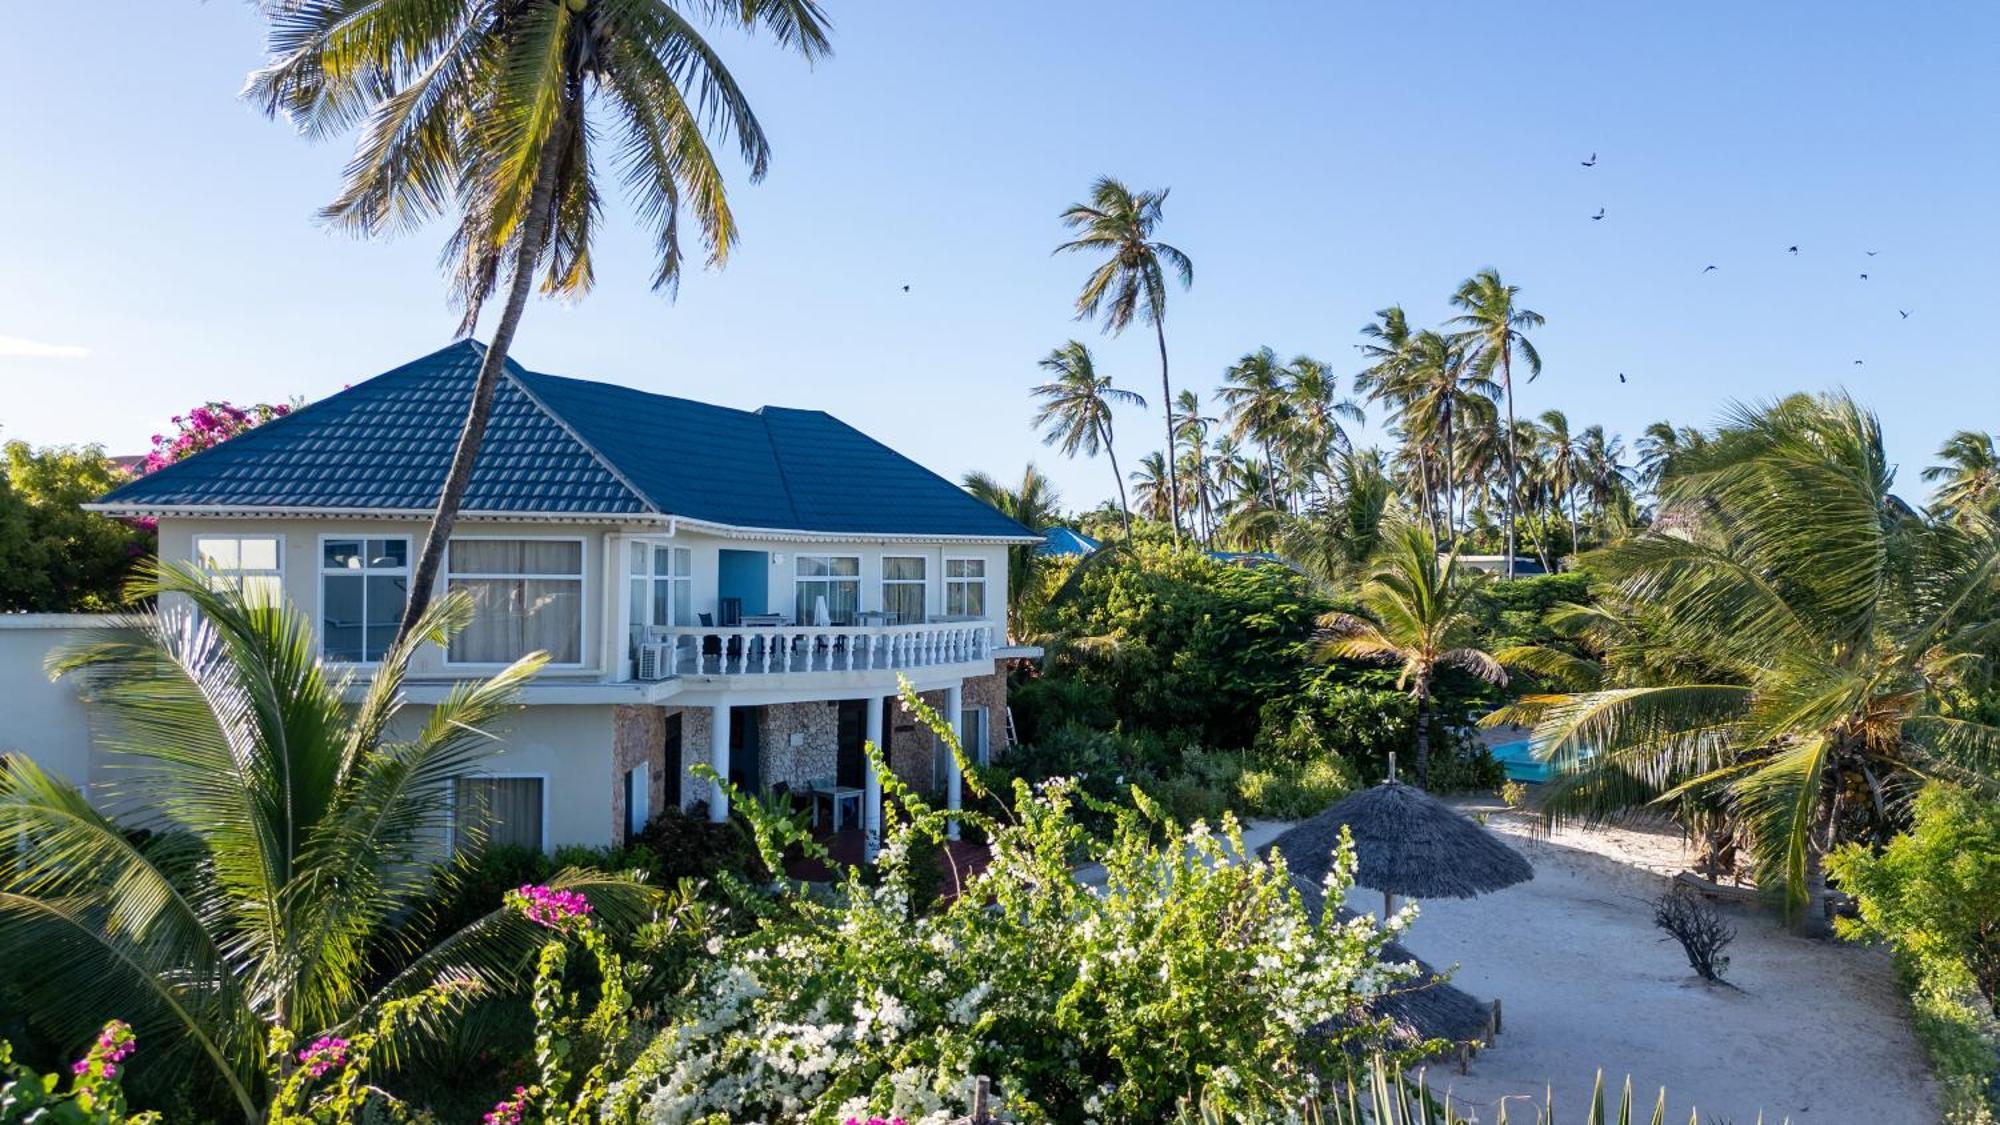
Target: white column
[(954, 710), (718, 760), (876, 731)]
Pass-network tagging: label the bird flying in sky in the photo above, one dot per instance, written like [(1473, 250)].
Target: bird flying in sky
[(1591, 163), (1599, 215)]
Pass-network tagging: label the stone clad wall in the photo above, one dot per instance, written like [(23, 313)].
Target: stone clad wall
[(801, 743), (638, 734)]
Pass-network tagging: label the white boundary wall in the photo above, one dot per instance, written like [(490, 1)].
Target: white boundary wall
[(40, 718)]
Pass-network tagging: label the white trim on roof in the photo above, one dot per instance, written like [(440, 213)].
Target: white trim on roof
[(719, 530)]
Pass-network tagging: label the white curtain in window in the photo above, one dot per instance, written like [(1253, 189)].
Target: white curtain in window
[(498, 812), (516, 610)]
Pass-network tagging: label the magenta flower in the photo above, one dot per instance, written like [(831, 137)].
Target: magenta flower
[(509, 1111), (549, 907), (328, 1052), (113, 1045)]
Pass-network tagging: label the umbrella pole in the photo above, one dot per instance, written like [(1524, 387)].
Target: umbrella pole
[(1388, 905)]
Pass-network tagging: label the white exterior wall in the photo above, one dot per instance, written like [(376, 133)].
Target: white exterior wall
[(569, 748), (604, 579), (40, 718)]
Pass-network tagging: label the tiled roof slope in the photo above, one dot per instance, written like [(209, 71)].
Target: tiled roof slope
[(561, 446)]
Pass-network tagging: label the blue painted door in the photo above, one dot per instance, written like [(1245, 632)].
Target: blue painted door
[(745, 575)]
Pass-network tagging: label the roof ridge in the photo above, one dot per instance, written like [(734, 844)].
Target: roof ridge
[(555, 416), (778, 461)]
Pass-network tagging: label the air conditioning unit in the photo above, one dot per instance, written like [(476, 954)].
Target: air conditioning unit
[(656, 660)]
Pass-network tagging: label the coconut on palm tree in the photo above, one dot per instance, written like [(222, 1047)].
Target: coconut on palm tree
[(1074, 411), (1131, 284), (1416, 607), (1494, 327), (275, 896), (494, 112), (1804, 634)]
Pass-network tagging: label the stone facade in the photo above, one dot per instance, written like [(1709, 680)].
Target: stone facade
[(990, 692), (801, 743), (638, 734), (913, 751)]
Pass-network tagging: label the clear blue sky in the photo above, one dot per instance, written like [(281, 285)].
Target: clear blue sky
[(1325, 160)]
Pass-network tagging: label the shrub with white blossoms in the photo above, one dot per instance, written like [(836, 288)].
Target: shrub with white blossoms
[(1193, 971)]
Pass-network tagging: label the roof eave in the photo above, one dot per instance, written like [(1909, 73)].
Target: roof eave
[(720, 530)]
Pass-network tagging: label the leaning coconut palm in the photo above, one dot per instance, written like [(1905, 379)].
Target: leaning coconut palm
[(1418, 617), (1833, 626), (272, 899), (1495, 328), (1034, 505), (493, 110), (1074, 411), (1969, 479), (1132, 282)]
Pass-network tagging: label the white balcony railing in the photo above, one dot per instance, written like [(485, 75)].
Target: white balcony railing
[(767, 650)]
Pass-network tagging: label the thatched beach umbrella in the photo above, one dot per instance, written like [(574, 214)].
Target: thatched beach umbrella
[(1406, 842)]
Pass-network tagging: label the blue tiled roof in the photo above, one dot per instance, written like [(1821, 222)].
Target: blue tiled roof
[(1062, 542), (561, 446)]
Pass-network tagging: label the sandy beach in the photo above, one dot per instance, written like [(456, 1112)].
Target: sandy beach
[(1818, 1033)]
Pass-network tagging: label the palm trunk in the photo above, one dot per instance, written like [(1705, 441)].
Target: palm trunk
[(1124, 509), (534, 232), (1507, 447), (1575, 543), (1271, 475), (1423, 734), (1450, 475), (1167, 404)]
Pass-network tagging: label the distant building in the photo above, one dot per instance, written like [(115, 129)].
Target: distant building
[(1525, 566)]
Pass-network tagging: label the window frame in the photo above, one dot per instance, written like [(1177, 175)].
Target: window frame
[(408, 571), (277, 573), (983, 582), (584, 637), (856, 578), (923, 584), (451, 805), (980, 755), (649, 579)]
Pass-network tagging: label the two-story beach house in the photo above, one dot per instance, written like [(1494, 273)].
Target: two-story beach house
[(742, 588)]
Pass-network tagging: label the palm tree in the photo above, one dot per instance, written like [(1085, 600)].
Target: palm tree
[(1606, 480), (1075, 411), (1495, 328), (1416, 604), (277, 896), (1660, 445), (1034, 505), (1132, 282), (1258, 394), (1193, 427), (1970, 474), (1316, 410), (1344, 533), (1562, 467), (1823, 630), (1151, 488), (487, 109)]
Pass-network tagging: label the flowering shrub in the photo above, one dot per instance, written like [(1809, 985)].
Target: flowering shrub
[(1193, 968), (328, 1052), (205, 427), (548, 907), (94, 1095)]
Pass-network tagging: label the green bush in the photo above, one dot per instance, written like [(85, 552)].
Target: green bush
[(687, 846), (1933, 894), (1293, 791)]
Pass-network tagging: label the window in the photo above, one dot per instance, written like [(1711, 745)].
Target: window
[(253, 564), (903, 589), (527, 596), (972, 722), (662, 581), (837, 579), (638, 799), (497, 812), (363, 584), (965, 587)]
